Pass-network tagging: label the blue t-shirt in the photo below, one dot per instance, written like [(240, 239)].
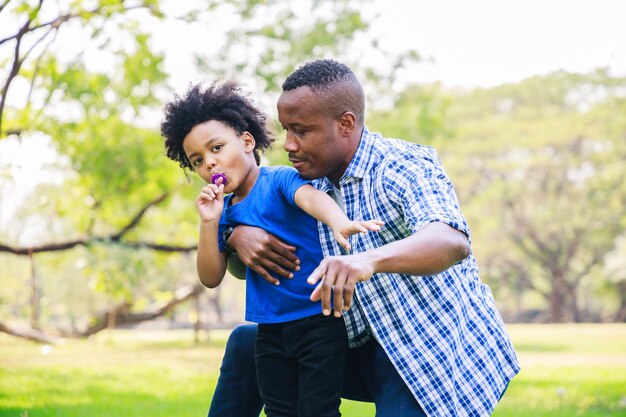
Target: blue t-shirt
[(271, 206)]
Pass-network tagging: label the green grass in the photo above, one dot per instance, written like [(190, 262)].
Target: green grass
[(568, 370)]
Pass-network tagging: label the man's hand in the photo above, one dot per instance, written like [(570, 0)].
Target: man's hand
[(262, 252), (339, 274)]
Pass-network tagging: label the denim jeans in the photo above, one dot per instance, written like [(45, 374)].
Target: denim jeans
[(369, 377), (237, 391)]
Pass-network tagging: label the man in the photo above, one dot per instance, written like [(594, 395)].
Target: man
[(427, 339)]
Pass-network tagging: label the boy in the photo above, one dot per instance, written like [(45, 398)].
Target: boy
[(299, 352)]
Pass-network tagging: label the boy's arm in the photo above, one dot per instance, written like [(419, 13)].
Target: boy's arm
[(211, 263), (321, 206)]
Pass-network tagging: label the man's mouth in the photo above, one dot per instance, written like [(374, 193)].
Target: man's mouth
[(296, 162), (294, 159)]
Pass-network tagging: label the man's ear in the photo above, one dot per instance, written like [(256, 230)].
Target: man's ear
[(347, 123), (248, 141)]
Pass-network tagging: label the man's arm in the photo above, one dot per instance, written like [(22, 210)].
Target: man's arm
[(263, 252), (433, 249), (430, 250)]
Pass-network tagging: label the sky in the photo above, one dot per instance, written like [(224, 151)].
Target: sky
[(484, 43), (478, 43)]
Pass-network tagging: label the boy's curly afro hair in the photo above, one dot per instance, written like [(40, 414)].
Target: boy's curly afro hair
[(221, 102)]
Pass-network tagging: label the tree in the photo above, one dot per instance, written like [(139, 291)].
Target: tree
[(118, 196), (562, 240), (540, 166)]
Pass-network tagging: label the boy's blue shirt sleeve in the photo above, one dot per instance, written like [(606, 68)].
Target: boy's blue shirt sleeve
[(287, 181)]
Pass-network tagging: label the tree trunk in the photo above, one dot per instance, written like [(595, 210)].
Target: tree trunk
[(557, 299), (620, 316), (572, 290), (198, 322), (35, 299), (214, 299)]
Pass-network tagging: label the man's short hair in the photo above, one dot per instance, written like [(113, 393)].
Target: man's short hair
[(334, 82)]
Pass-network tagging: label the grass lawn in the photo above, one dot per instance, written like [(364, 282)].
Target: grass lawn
[(568, 370)]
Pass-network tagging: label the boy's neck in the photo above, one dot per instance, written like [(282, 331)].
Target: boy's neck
[(246, 185)]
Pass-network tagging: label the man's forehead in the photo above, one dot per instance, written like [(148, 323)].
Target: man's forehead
[(299, 94), (301, 101)]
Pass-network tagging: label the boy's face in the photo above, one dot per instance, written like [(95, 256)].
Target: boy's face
[(213, 147), (313, 138)]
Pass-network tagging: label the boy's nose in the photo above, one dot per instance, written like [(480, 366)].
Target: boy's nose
[(210, 162)]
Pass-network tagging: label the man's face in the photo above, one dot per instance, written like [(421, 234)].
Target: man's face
[(313, 139)]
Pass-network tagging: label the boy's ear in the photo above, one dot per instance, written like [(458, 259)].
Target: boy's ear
[(248, 141)]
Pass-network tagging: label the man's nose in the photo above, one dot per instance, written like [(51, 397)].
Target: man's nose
[(290, 144)]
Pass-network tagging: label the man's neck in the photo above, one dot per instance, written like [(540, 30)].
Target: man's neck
[(355, 141)]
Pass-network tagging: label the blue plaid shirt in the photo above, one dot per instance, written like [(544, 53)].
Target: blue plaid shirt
[(442, 332)]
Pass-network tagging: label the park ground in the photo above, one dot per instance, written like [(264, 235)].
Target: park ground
[(568, 370)]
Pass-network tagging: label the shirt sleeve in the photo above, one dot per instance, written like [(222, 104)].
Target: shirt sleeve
[(286, 181), (418, 185)]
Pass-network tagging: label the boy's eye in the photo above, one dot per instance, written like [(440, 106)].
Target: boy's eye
[(217, 148), (196, 162)]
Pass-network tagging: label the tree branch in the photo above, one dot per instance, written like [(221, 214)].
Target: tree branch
[(36, 69), (3, 5), (124, 317), (17, 65), (53, 25), (29, 334), (17, 62), (115, 238), (60, 20)]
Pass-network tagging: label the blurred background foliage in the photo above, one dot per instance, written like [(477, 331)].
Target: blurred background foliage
[(101, 229)]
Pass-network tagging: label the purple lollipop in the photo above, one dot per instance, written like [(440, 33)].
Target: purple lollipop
[(217, 176)]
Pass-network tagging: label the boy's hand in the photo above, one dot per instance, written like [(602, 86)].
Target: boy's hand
[(210, 202), (351, 228)]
